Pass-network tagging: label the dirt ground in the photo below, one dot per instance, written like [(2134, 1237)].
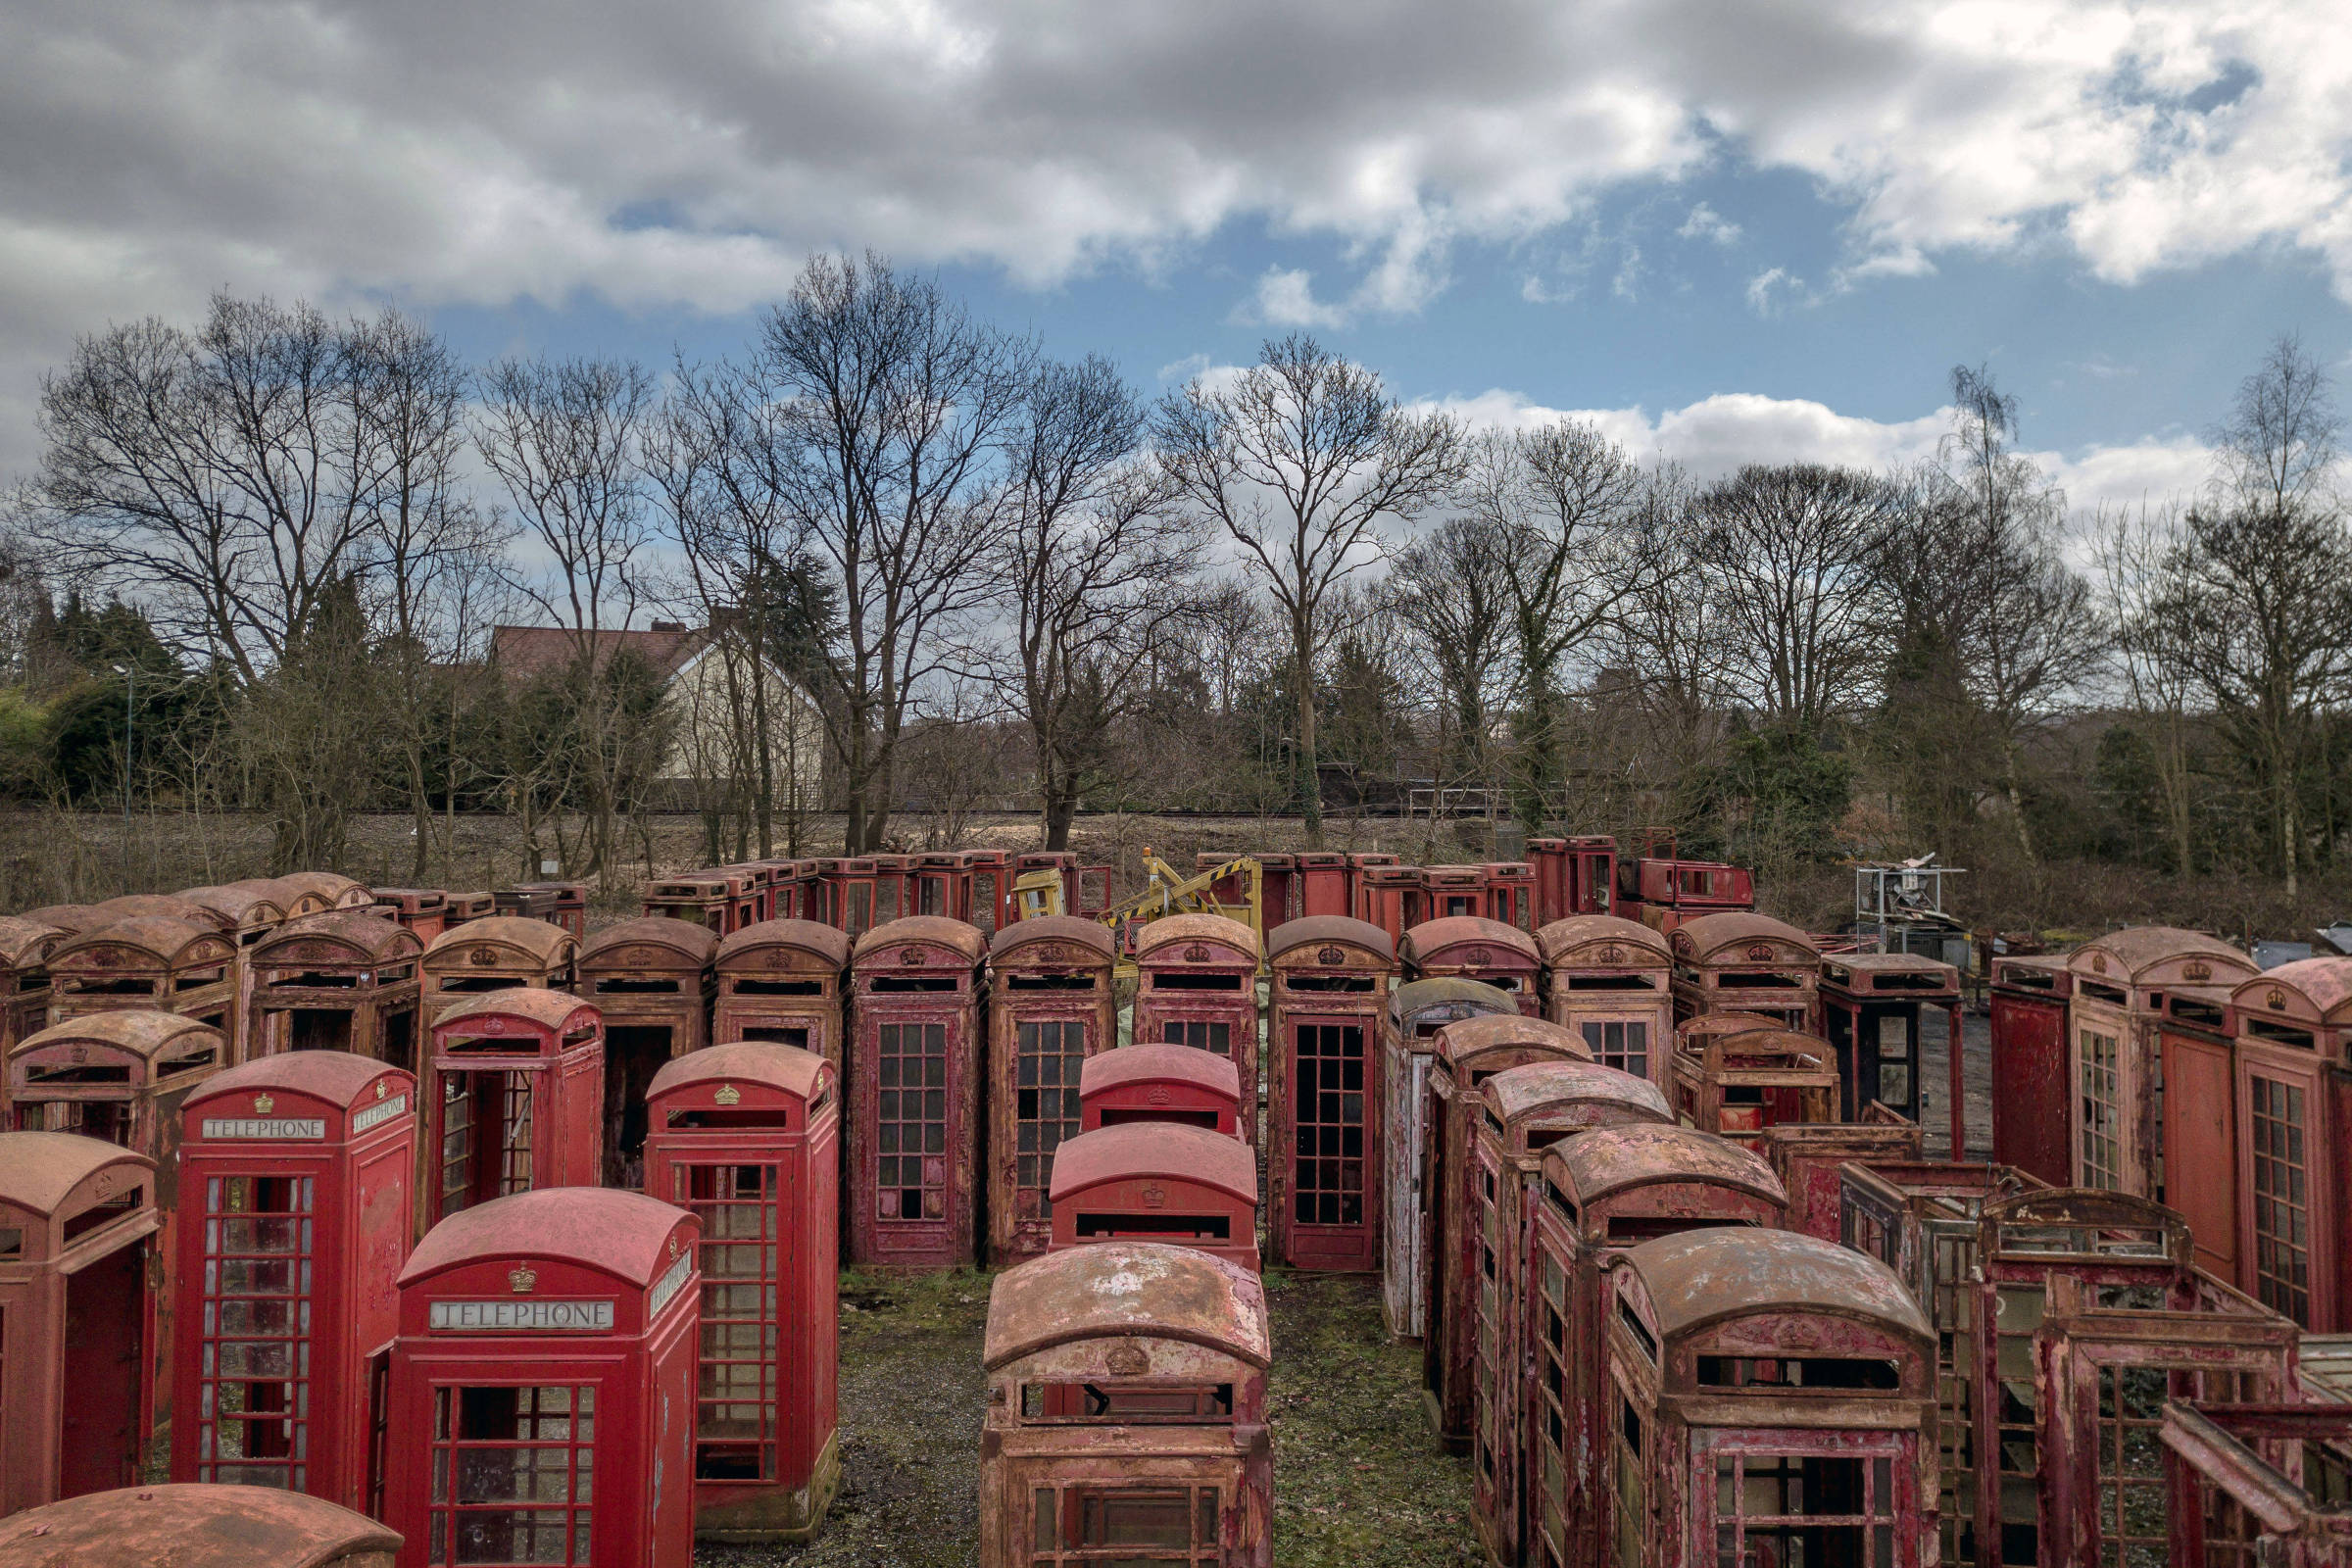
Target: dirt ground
[(1358, 1482)]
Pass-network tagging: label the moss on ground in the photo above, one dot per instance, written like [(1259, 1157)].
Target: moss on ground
[(1358, 1481)]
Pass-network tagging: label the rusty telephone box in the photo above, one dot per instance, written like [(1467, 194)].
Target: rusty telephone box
[(1126, 1411), (1598, 1195), (331, 890), (496, 952), (1920, 1219), (1471, 948), (1469, 1052), (152, 962), (1769, 1397), (345, 980), (542, 1389), (2259, 1483), (719, 898), (122, 1077), (2113, 1060), (1330, 992), (421, 912), (1196, 985), (2196, 1080), (76, 1216), (1524, 1111), (782, 981), (651, 981), (24, 988), (297, 1180), (1738, 1084), (2089, 1315), (1159, 1182), (914, 1093), (746, 1138), (1742, 962), (567, 903), (2027, 1000), (1418, 1010), (989, 891), (1511, 894), (1181, 1084), (1049, 1007), (1612, 982), (1873, 1013), (195, 1527), (1809, 1158), (2289, 1153), (514, 1100), (893, 886), (1322, 883)]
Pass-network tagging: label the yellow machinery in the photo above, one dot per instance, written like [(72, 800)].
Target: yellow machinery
[(1166, 891)]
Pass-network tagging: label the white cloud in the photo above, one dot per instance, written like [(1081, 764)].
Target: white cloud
[(1717, 434), (1771, 289), (1705, 223), (1286, 297)]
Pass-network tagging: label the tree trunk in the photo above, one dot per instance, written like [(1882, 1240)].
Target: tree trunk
[(1060, 807), (2016, 806), (1310, 782), (424, 815), (2290, 827)]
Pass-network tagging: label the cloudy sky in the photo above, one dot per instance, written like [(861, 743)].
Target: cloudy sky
[(1732, 227)]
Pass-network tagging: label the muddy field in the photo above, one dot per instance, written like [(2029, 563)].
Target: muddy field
[(1358, 1482)]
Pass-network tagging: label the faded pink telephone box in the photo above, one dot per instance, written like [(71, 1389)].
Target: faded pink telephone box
[(746, 1136), (541, 1401), (75, 1346), (514, 1099), (296, 1174), (1471, 948), (1196, 985), (1160, 1083), (1159, 1182)]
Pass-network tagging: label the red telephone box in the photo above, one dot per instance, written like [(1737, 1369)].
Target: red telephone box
[(849, 893), (567, 903), (1330, 993), (1722, 1443), (2117, 1108), (2291, 1145), (462, 907), (1387, 897), (1742, 962), (1511, 893), (1601, 1193), (332, 889), (2029, 1003), (2252, 1485), (1322, 883), (1476, 949), (1871, 1005), (1809, 1158), (746, 1138), (1049, 1007), (989, 897), (422, 912), (1469, 1052), (1179, 1084), (1196, 985), (781, 981), (298, 1173), (651, 981), (2197, 1101), (346, 980), (515, 1099), (1277, 889), (914, 1093), (1573, 876), (195, 1527), (942, 886), (1612, 982), (75, 1336), (1452, 893), (1159, 1182), (542, 1390), (1738, 1086), (1126, 1411), (720, 898), (150, 962), (496, 952), (894, 883)]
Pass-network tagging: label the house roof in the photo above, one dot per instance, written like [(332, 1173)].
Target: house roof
[(528, 651)]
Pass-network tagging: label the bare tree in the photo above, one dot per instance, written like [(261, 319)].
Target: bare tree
[(1301, 459), (1994, 626), (563, 436), (2261, 584), (1563, 499), (1451, 588), (1787, 554), (900, 406), (2131, 548), (1095, 564)]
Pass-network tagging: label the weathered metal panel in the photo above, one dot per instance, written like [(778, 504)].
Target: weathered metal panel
[(1324, 1104)]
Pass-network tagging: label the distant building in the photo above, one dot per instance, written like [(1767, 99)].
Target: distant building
[(706, 680)]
